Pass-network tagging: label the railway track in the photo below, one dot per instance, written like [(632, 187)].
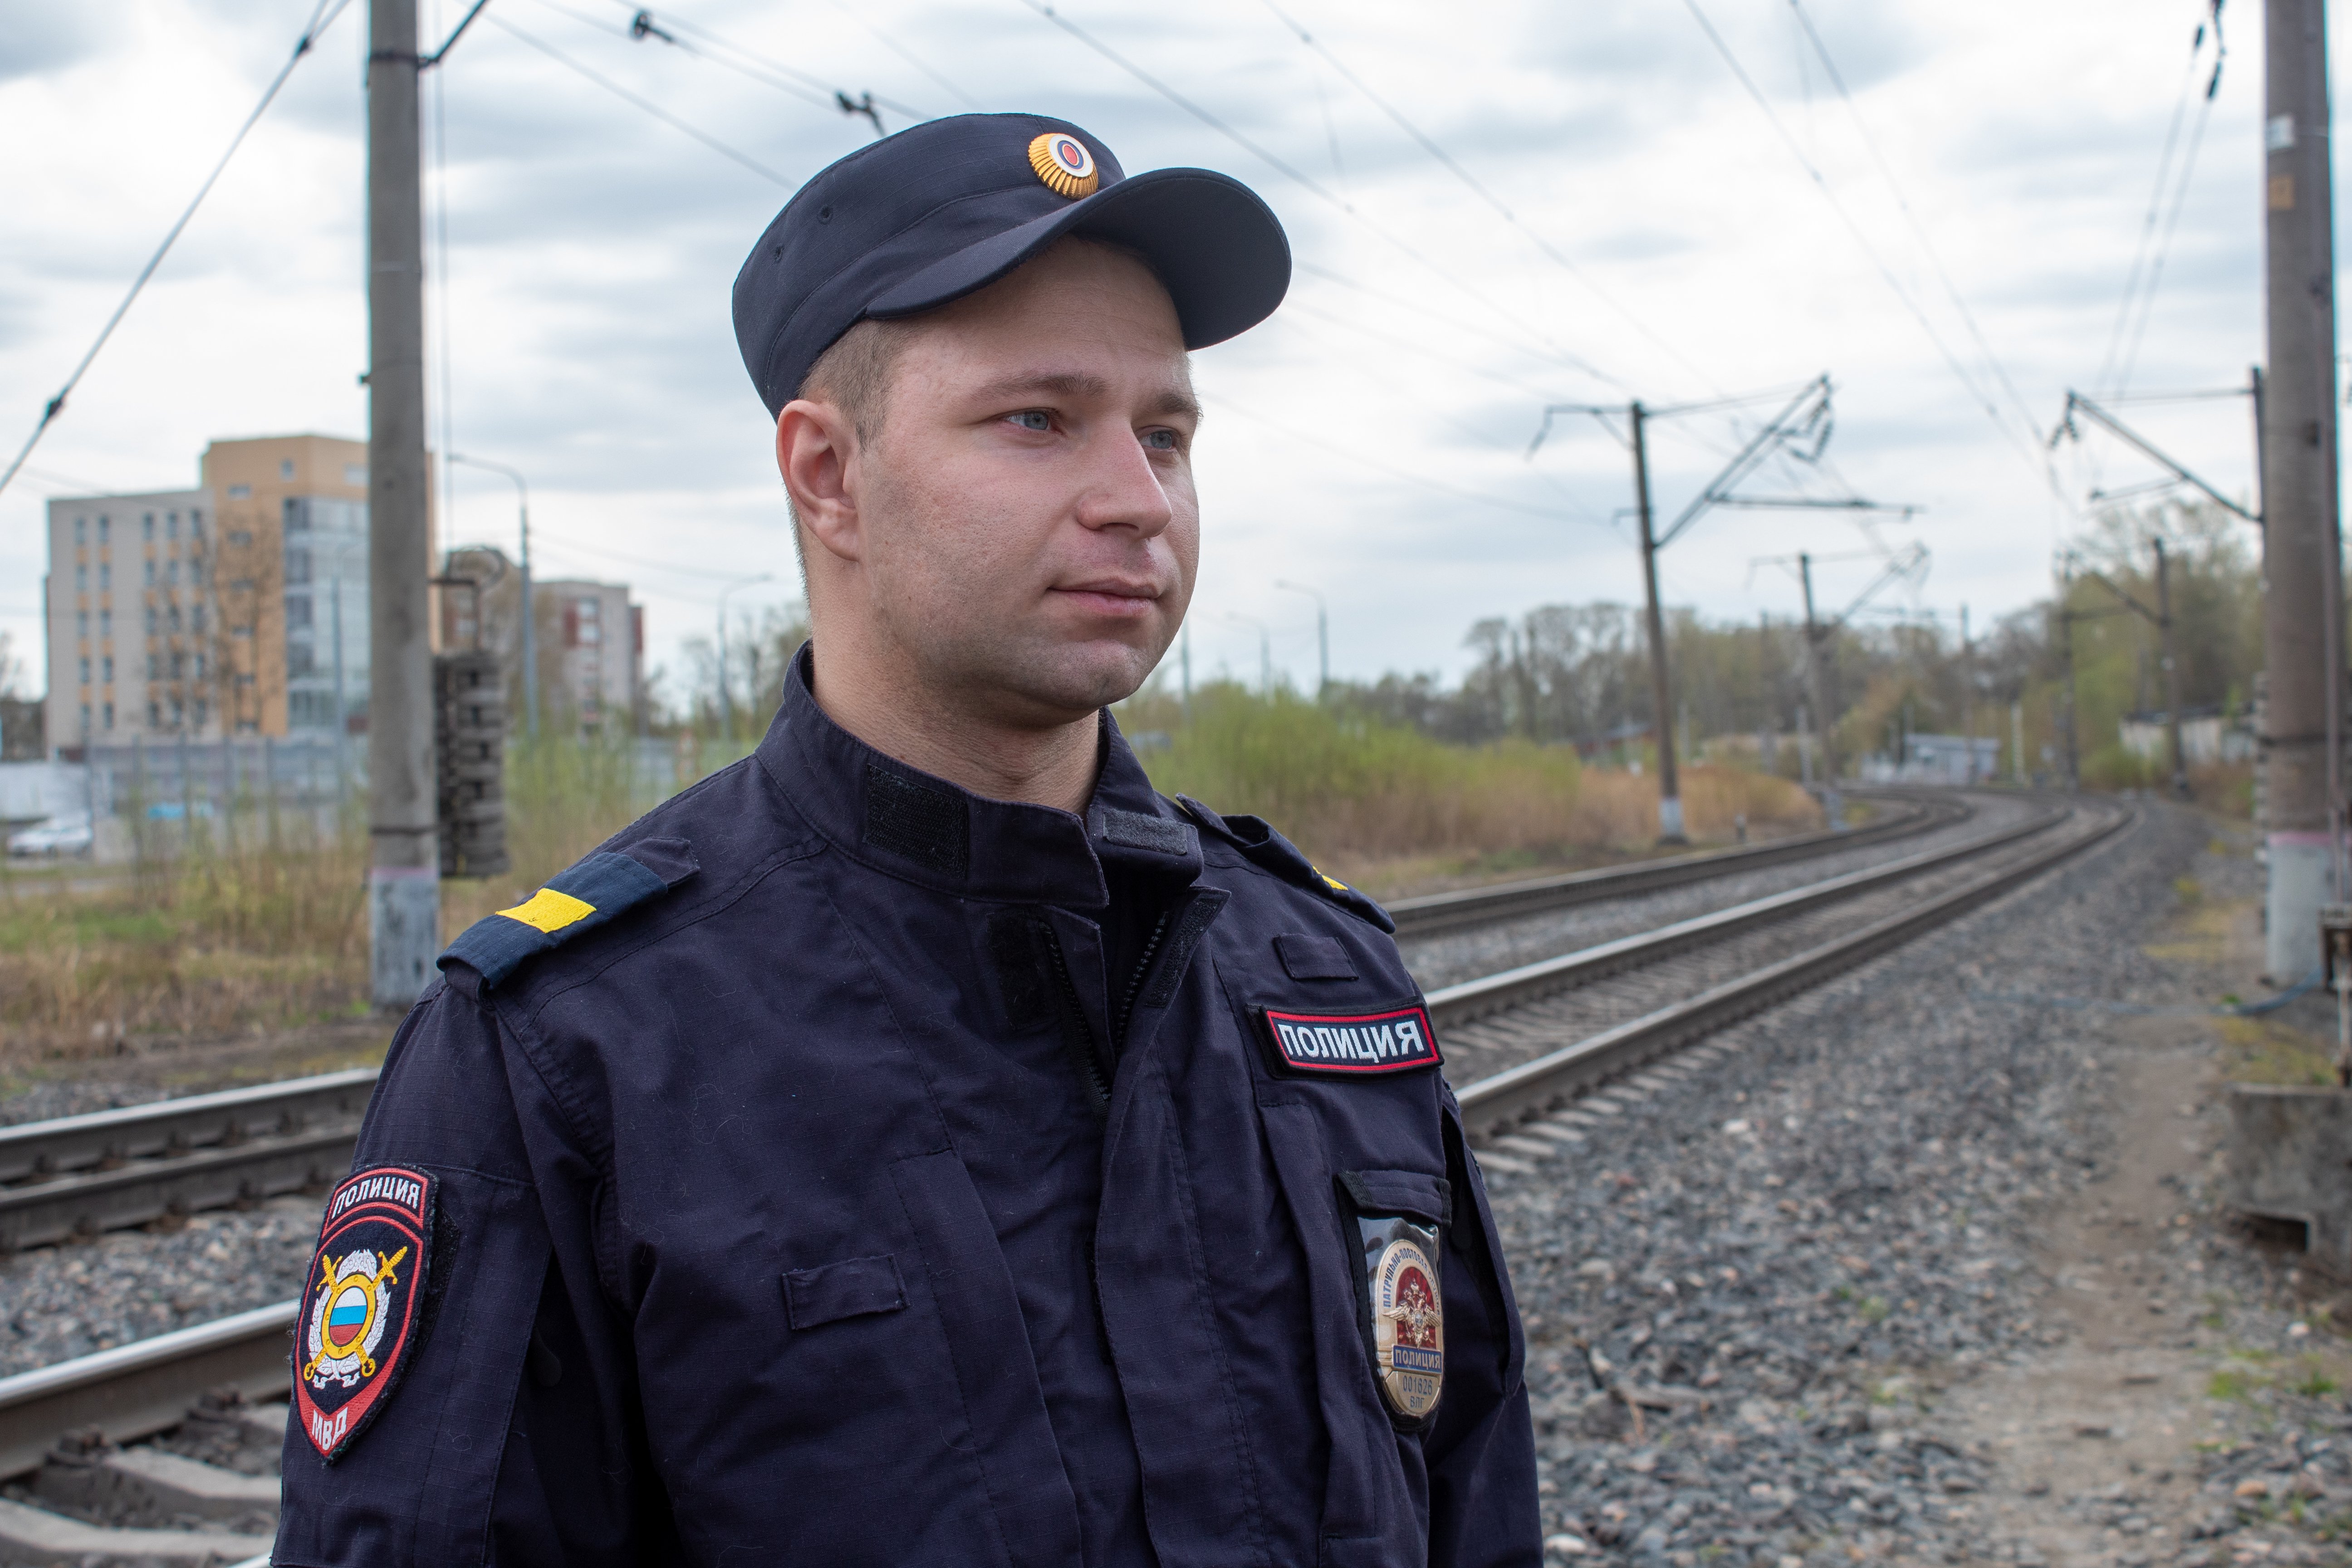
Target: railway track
[(1905, 815), (170, 1444)]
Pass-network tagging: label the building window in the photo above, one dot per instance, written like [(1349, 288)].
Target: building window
[(173, 620), (172, 573), (177, 712), (154, 667), (239, 540), (105, 578), (298, 565), (147, 526), (203, 709), (355, 475), (106, 626), (196, 620), (240, 492), (81, 531), (171, 525), (179, 665), (81, 623), (197, 574), (195, 523), (155, 714), (85, 670), (85, 718), (285, 468), (297, 610), (104, 521), (200, 674), (81, 579), (151, 572), (109, 710), (154, 620), (298, 659), (107, 665)]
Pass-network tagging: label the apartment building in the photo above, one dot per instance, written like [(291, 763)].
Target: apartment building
[(591, 640), (236, 609)]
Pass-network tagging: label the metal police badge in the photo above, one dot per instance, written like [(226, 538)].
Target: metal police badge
[(1063, 162), (358, 1327), (1408, 1312)]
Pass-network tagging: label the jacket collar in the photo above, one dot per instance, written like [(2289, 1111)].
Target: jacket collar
[(918, 828)]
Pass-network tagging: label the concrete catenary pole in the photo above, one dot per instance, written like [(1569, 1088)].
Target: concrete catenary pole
[(1819, 642), (1670, 795), (2301, 561), (404, 861), (2171, 670)]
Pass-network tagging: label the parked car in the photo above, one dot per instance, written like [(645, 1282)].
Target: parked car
[(68, 834)]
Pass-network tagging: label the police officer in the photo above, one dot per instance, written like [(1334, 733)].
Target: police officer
[(922, 1142)]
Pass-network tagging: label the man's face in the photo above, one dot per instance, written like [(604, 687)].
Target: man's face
[(1027, 527)]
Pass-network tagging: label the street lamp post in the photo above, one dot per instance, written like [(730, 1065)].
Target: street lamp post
[(530, 621), (726, 698), (1322, 638), (1264, 651)]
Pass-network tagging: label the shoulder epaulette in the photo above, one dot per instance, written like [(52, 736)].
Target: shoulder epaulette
[(576, 900), (1255, 838)]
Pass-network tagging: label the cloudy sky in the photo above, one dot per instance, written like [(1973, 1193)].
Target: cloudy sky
[(1622, 217)]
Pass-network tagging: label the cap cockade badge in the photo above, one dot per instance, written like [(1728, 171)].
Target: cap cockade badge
[(1063, 162)]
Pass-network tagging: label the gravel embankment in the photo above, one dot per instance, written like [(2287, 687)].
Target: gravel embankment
[(64, 1301), (1776, 1268)]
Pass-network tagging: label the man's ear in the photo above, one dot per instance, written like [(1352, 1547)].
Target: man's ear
[(816, 452)]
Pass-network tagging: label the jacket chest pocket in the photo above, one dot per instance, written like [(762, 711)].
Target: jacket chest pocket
[(1374, 1244)]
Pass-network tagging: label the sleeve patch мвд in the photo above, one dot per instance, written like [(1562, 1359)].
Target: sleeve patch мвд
[(358, 1327)]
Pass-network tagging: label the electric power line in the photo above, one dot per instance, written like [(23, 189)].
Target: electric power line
[(1440, 486), (2148, 232), (2164, 244), (321, 18), (655, 109), (1902, 205), (1307, 183), (1829, 192), (1479, 189)]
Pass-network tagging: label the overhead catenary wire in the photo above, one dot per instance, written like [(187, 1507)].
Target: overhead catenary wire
[(2148, 224), (321, 18), (1829, 192), (809, 88), (1440, 486), (1480, 189), (1910, 217), (640, 102), (2164, 244), (1307, 183)]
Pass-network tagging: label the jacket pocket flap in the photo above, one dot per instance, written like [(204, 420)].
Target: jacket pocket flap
[(1411, 1192), (850, 1288)]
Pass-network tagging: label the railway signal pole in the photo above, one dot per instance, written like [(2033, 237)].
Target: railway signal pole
[(404, 854), (2302, 557)]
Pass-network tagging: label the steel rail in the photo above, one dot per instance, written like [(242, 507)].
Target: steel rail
[(1495, 1104), (1489, 994), (1435, 912), (137, 1390)]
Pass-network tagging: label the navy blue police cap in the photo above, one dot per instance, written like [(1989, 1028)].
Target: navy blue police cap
[(940, 209)]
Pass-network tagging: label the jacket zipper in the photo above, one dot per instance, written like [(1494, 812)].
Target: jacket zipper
[(1076, 1032), (1135, 981)]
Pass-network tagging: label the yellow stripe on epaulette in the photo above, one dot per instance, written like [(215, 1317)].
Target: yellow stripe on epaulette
[(550, 911)]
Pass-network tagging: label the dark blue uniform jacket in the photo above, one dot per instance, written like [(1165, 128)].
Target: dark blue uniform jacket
[(825, 1198)]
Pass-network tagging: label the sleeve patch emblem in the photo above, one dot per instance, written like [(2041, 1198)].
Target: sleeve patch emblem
[(358, 1326), (1352, 1045), (550, 911)]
